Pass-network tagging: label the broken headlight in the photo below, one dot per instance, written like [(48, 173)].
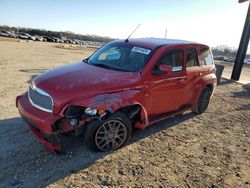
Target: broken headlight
[(74, 111), (91, 111)]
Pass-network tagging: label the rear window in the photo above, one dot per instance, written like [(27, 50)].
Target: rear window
[(206, 57)]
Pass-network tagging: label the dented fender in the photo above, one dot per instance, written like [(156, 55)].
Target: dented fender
[(114, 101)]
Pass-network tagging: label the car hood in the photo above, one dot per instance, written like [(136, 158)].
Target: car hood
[(81, 80)]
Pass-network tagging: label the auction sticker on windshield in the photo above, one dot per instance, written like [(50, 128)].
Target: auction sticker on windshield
[(141, 50)]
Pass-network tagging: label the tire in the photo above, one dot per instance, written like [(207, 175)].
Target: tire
[(108, 135), (203, 101)]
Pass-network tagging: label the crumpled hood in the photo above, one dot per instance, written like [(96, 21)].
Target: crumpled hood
[(81, 80)]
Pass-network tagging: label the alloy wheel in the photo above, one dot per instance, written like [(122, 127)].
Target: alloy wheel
[(110, 135)]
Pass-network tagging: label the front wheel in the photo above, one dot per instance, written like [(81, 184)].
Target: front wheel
[(110, 134), (203, 101)]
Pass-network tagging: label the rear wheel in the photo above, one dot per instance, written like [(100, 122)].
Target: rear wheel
[(203, 101), (110, 134)]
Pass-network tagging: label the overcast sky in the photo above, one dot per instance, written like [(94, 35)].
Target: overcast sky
[(212, 22)]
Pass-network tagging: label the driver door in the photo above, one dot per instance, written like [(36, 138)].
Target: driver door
[(167, 89)]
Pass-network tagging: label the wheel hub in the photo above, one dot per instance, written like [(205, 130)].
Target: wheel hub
[(110, 135)]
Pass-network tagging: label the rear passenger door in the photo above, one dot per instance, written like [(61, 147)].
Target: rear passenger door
[(194, 74)]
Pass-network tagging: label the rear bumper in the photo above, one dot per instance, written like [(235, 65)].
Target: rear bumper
[(39, 121)]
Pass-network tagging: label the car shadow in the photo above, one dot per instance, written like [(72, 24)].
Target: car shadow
[(25, 163), (244, 93), (225, 81)]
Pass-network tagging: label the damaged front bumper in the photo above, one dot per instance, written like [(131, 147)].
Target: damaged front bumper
[(49, 146), (39, 122)]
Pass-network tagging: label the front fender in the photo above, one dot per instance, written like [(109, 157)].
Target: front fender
[(114, 101), (109, 101)]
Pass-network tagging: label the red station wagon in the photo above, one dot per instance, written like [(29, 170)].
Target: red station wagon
[(124, 84)]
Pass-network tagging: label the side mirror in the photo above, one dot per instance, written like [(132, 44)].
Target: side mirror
[(166, 69)]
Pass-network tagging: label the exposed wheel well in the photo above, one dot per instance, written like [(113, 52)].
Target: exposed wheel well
[(133, 112)]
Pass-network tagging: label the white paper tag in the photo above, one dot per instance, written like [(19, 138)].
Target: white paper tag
[(141, 50)]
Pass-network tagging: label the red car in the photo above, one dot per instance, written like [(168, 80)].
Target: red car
[(124, 84)]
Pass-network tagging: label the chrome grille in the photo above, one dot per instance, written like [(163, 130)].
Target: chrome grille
[(40, 99)]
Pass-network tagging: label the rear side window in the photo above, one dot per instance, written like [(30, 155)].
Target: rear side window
[(173, 59), (206, 57), (192, 59)]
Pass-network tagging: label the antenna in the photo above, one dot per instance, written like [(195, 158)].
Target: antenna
[(132, 32), (166, 31)]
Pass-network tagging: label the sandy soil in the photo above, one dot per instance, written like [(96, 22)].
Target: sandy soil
[(210, 150)]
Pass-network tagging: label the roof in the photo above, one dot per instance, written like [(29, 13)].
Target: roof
[(155, 42)]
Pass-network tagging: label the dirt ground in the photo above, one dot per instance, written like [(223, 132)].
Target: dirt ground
[(245, 75), (209, 150)]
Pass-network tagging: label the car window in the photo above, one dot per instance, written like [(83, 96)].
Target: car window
[(206, 57), (123, 57), (110, 54), (173, 59), (192, 59)]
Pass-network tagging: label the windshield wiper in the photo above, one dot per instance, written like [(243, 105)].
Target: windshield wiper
[(103, 65)]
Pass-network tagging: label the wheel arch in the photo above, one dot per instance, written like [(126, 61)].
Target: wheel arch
[(136, 113)]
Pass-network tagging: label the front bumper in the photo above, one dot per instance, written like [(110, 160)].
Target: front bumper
[(39, 122), (49, 146)]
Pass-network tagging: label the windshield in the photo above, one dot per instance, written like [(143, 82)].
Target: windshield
[(122, 57)]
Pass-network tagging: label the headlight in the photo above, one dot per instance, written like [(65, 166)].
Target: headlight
[(91, 112)]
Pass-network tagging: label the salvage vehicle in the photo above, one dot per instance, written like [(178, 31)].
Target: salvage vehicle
[(7, 34), (27, 36), (125, 84)]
